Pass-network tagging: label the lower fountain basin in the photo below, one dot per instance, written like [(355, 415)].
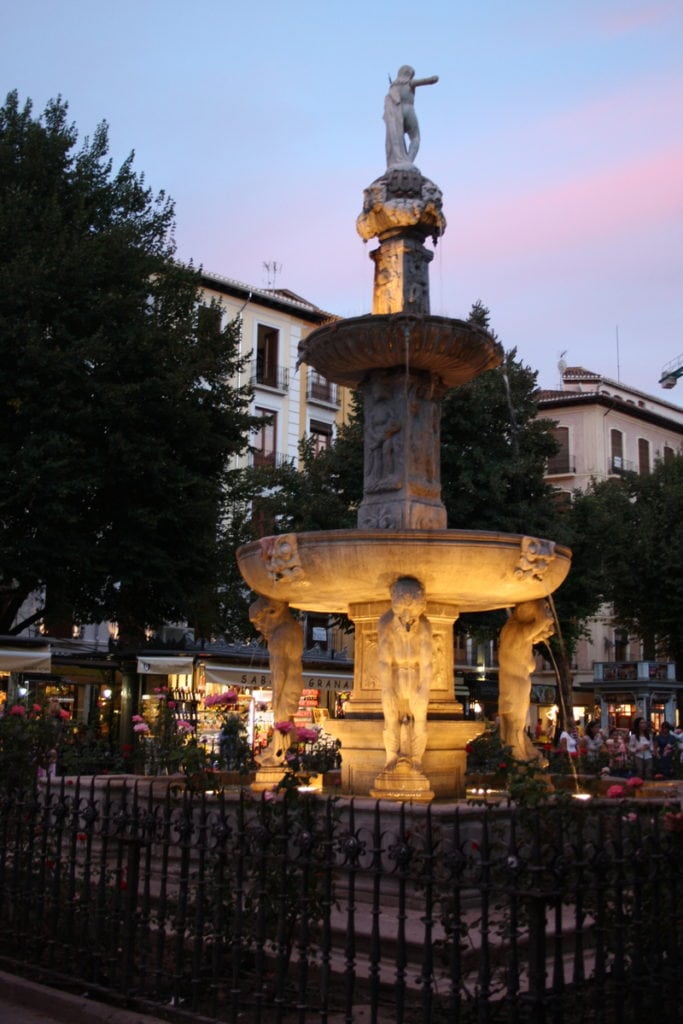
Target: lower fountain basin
[(330, 570)]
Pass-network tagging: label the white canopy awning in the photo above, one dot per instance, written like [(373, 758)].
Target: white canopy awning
[(16, 659), (224, 674), (161, 666)]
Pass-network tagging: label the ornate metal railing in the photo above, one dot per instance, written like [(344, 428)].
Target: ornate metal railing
[(225, 908)]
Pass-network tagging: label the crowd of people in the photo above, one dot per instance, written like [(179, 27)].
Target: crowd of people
[(644, 750)]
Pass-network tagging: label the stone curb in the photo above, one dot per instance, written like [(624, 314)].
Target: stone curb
[(63, 1006)]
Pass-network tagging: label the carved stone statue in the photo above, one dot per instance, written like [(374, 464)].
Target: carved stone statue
[(400, 117), (285, 639), (404, 642), (530, 622)]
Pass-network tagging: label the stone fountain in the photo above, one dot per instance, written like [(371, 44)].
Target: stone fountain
[(402, 577)]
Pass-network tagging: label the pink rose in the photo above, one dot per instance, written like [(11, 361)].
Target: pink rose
[(284, 727), (18, 709), (141, 727), (634, 782), (614, 792), (305, 735)]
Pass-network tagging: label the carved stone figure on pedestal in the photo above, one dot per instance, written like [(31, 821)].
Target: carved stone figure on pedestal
[(400, 117), (530, 622), (404, 638), (285, 639)]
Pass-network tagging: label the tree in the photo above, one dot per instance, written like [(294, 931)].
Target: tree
[(117, 415), (633, 531)]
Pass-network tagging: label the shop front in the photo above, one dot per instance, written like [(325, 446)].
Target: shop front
[(628, 690)]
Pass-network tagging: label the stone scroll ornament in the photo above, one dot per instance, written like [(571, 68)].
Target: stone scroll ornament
[(280, 555), (530, 623), (404, 638), (400, 118), (285, 639), (535, 558)]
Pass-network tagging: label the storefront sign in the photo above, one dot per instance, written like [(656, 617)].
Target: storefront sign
[(225, 675)]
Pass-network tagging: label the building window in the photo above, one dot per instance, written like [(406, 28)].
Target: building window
[(266, 369), (562, 462), (617, 451), (620, 645), (321, 434), (668, 453), (317, 631), (643, 456), (265, 440), (321, 389)]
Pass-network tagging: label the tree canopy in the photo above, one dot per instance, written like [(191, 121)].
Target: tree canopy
[(118, 415), (632, 530)]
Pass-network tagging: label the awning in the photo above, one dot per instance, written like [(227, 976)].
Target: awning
[(226, 675), (160, 666), (14, 659)]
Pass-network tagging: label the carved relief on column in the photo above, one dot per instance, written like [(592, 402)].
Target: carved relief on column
[(402, 484), (401, 276)]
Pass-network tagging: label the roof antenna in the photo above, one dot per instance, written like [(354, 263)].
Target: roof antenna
[(272, 269), (562, 366)]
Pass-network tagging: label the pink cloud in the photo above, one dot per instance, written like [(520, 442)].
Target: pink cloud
[(617, 23), (587, 208)]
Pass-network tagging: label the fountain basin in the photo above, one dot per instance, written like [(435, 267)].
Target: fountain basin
[(454, 351), (328, 571)]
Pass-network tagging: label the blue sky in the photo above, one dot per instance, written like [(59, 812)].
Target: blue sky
[(555, 133)]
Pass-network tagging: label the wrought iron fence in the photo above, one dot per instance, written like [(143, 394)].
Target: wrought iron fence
[(224, 907)]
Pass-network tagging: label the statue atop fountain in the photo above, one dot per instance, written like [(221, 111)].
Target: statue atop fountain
[(400, 118)]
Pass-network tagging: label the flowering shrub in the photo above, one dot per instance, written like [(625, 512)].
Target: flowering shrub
[(29, 740), (486, 753), (311, 749), (234, 750), (162, 739)]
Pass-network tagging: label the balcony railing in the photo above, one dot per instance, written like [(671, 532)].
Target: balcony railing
[(615, 671), (274, 459), (618, 465), (270, 376), (319, 389), (561, 464)]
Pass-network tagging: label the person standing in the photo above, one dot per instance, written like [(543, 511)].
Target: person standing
[(640, 747)]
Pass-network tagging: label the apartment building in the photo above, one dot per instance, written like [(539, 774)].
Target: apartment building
[(606, 428), (292, 401)]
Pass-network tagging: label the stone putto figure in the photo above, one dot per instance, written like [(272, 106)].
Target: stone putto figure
[(404, 641), (530, 622), (285, 639), (400, 117)]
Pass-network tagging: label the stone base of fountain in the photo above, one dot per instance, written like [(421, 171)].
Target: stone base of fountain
[(403, 782), (364, 757), (268, 777)]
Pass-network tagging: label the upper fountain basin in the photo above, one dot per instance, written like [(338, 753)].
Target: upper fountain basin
[(330, 570), (454, 351)]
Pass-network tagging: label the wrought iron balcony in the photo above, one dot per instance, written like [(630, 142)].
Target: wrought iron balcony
[(276, 377), (274, 459), (319, 389), (618, 465)]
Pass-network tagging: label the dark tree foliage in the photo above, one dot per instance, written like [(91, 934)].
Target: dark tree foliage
[(494, 450), (117, 418), (633, 537), (325, 492)]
